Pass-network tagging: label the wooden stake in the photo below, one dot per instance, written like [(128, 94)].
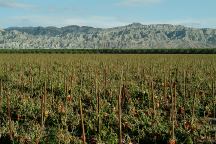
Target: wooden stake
[(81, 115), (42, 112), (105, 78), (153, 99), (165, 89), (82, 121), (9, 116), (175, 102), (43, 105), (171, 94), (119, 108), (32, 85), (174, 112), (213, 95), (1, 94), (66, 94), (98, 104), (45, 94), (193, 109), (52, 92), (184, 93)]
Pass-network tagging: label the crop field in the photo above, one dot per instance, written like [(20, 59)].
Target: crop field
[(105, 98)]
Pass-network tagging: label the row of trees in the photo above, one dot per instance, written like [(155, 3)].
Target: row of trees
[(114, 51)]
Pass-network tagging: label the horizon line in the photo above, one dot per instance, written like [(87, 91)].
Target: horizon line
[(134, 23)]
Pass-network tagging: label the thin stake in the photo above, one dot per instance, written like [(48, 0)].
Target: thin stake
[(175, 102), (65, 86), (52, 92), (98, 103), (1, 94), (82, 121), (171, 94), (153, 98), (9, 116), (119, 108), (149, 97), (165, 90), (66, 93), (81, 117), (45, 94), (42, 111), (213, 95), (32, 85), (31, 80), (184, 93), (71, 81), (105, 78), (43, 105), (193, 109), (173, 111)]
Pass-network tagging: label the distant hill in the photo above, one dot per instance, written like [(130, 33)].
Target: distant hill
[(134, 35)]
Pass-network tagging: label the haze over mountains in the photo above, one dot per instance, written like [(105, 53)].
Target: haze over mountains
[(134, 35)]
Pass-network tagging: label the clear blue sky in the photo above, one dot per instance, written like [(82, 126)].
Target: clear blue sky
[(107, 13)]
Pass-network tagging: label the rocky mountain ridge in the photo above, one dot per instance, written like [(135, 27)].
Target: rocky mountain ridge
[(134, 35)]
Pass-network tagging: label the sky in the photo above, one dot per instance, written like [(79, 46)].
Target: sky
[(107, 13)]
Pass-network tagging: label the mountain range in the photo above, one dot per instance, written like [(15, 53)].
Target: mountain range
[(130, 36)]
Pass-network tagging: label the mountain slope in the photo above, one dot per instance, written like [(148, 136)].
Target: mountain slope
[(131, 36)]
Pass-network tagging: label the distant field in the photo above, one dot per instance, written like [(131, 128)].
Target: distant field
[(106, 98)]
